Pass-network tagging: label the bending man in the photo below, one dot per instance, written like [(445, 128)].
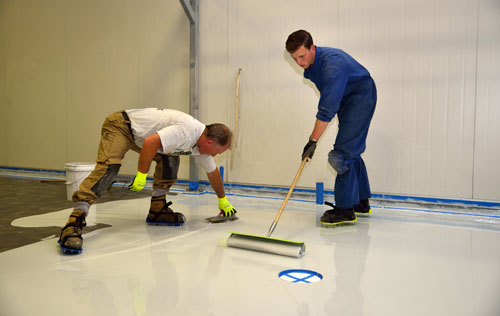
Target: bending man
[(157, 134)]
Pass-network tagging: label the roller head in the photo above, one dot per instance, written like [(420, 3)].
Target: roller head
[(267, 244)]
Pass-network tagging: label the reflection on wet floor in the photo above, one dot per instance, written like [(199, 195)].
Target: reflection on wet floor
[(394, 262)]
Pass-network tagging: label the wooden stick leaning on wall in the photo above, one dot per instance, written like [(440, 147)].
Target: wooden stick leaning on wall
[(236, 119)]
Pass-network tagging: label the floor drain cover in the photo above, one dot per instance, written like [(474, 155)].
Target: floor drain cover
[(300, 276)]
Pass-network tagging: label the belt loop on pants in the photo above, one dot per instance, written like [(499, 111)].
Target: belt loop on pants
[(127, 121)]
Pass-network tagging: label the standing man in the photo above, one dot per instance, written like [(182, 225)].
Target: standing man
[(160, 135), (348, 90)]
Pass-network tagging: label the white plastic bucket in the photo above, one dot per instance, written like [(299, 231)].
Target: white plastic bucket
[(76, 172)]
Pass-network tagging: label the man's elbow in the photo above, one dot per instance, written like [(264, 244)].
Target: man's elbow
[(325, 116)]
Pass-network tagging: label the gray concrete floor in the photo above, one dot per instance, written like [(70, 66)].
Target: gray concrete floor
[(25, 197)]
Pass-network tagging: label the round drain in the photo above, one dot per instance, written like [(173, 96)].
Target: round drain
[(300, 276)]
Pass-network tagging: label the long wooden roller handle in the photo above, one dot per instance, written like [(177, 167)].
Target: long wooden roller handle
[(291, 189)]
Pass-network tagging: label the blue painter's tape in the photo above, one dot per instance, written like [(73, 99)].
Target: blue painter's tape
[(310, 191), (34, 170), (435, 200), (402, 198)]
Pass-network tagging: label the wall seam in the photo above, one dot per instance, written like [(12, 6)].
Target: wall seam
[(474, 131)]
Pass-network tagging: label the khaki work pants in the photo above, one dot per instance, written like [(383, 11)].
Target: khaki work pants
[(116, 140)]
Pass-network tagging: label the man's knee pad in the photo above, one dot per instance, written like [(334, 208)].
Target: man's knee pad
[(336, 160), (170, 167), (106, 181)]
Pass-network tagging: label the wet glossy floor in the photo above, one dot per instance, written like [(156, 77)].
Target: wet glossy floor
[(394, 262)]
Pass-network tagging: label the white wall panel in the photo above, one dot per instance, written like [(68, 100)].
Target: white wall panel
[(33, 102), (3, 98), (422, 55), (128, 54), (214, 80), (98, 82), (66, 65), (423, 60), (487, 140), (277, 106)]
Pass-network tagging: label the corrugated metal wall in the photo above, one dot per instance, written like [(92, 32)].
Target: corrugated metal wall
[(65, 65), (435, 129), (487, 124)]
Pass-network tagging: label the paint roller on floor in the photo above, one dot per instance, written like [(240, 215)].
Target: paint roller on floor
[(267, 244)]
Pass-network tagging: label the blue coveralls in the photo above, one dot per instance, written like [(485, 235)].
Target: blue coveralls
[(348, 90)]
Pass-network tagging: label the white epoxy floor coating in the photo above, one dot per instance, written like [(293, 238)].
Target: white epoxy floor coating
[(395, 262)]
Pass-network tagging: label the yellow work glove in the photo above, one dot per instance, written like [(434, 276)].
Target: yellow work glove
[(139, 182), (226, 208)]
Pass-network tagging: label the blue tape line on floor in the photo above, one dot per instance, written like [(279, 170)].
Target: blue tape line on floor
[(312, 191)]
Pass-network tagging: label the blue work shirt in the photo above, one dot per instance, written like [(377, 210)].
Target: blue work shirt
[(337, 76)]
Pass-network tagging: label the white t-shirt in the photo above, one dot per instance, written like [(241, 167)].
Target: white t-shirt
[(178, 132)]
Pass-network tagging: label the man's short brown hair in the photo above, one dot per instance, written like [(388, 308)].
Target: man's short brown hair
[(219, 133), (297, 39)]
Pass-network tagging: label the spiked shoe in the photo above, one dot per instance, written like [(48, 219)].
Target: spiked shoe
[(71, 240), (338, 216), (161, 214), (363, 208)]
